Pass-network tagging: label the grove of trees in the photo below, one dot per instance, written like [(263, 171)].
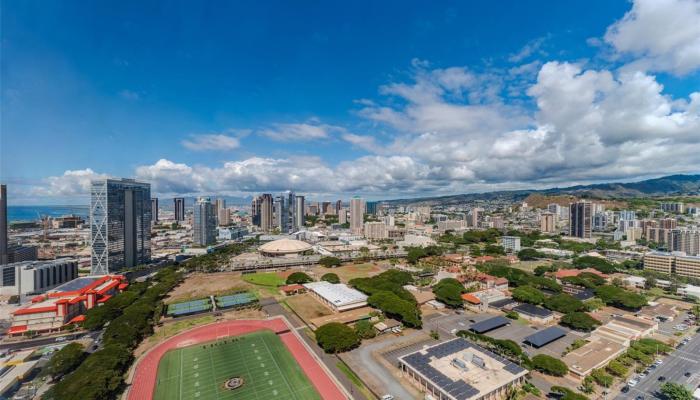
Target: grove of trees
[(330, 277), (449, 291), (579, 321), (549, 365), (335, 337), (298, 277), (386, 293)]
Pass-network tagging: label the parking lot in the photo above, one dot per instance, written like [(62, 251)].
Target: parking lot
[(516, 331), (681, 362)]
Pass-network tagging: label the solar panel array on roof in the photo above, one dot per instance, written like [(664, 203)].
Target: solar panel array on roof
[(77, 284), (545, 336), (584, 295), (459, 389), (502, 303), (489, 324), (532, 310)]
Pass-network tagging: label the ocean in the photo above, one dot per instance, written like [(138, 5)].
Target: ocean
[(34, 213)]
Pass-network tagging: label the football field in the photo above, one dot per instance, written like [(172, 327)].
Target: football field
[(268, 369)]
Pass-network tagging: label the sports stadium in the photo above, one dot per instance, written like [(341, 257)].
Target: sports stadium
[(243, 359)]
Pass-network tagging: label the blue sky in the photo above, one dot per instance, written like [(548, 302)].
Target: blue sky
[(383, 99)]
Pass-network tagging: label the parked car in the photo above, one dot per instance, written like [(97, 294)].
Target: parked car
[(625, 389), (661, 378), (387, 397)]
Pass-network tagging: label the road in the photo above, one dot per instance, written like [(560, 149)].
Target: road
[(28, 344), (674, 368)]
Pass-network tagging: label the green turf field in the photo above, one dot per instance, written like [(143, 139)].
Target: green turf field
[(260, 358)]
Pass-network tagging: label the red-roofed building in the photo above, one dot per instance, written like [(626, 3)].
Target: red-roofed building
[(289, 290), (66, 304), (470, 298)]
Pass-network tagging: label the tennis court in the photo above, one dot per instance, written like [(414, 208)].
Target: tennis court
[(189, 307), (199, 372), (235, 300)]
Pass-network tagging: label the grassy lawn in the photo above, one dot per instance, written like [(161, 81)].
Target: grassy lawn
[(264, 279), (168, 330), (355, 380), (267, 368)]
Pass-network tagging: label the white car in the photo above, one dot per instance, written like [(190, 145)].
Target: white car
[(387, 397), (632, 383)]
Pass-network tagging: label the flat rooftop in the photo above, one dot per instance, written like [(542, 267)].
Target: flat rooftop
[(338, 294), (461, 369), (76, 284), (592, 355)]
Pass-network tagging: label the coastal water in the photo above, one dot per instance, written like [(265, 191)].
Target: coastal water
[(34, 213)]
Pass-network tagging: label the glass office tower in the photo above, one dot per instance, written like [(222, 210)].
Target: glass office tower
[(120, 224)]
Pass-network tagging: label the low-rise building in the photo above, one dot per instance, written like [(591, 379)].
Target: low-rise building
[(34, 277), (66, 304), (460, 370), (534, 313), (597, 353), (625, 329), (337, 296)]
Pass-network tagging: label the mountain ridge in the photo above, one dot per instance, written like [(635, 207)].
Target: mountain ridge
[(671, 185)]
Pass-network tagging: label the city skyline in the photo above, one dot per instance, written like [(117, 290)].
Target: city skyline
[(469, 99)]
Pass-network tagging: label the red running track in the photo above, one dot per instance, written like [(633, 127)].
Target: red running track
[(145, 375)]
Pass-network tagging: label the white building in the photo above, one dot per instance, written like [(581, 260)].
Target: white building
[(337, 296), (511, 244), (34, 277), (376, 230)]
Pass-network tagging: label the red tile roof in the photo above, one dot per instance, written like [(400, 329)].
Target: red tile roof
[(471, 298)]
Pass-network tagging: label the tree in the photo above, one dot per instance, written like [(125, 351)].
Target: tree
[(66, 360), (567, 394), (330, 277), (528, 294), (618, 297), (512, 314), (594, 262), (329, 262), (602, 378), (494, 250), (335, 337), (365, 329), (587, 385), (617, 368), (298, 277), (449, 291), (529, 255), (579, 321), (563, 303), (676, 391), (549, 365)]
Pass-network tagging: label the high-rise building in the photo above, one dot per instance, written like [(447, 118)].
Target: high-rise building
[(266, 212), (3, 225), (511, 244), (672, 263), (204, 225), (255, 211), (554, 208), (673, 207), (376, 230), (299, 212), (343, 216), (475, 216), (548, 222), (282, 213), (154, 210), (179, 208), (326, 208), (224, 216), (356, 215), (219, 204), (372, 207), (580, 219), (338, 206), (120, 224)]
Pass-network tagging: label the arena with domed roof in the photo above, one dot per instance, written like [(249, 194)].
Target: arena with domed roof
[(285, 248)]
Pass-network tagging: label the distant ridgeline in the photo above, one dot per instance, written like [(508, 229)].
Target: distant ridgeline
[(673, 185)]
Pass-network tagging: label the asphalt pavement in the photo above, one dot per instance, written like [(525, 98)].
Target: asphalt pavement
[(675, 366)]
